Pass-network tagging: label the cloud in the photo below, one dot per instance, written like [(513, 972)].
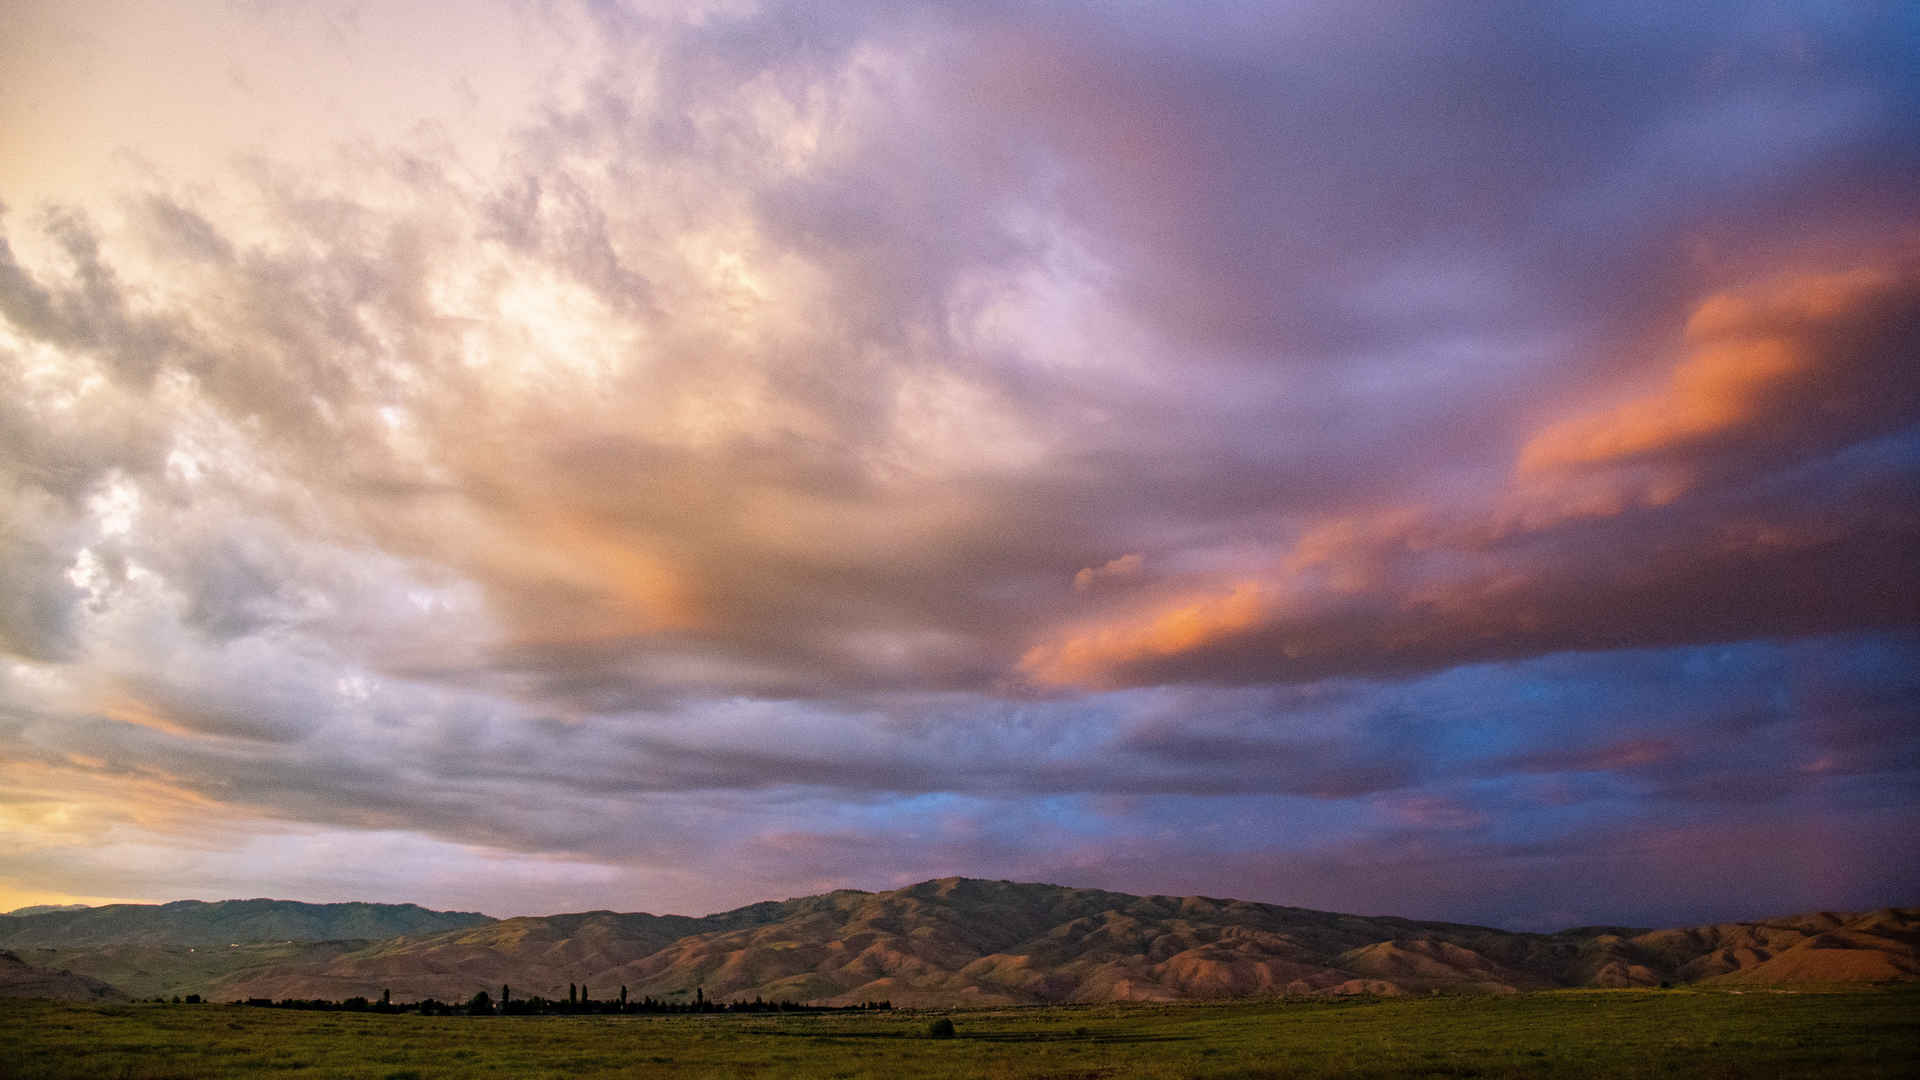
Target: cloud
[(1794, 365), (726, 421), (1313, 778), (1651, 875), (1120, 568), (1179, 626), (1679, 516)]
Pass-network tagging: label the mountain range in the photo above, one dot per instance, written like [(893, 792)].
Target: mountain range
[(954, 941), (222, 922), (42, 909)]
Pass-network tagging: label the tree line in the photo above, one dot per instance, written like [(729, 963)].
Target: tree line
[(579, 1001)]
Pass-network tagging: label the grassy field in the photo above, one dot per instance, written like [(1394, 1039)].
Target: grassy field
[(1577, 1033)]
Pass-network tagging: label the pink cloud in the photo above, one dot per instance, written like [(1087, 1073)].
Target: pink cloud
[(1119, 569)]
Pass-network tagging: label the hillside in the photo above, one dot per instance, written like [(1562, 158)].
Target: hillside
[(1819, 947), (42, 909), (225, 922), (21, 979), (962, 941), (146, 971)]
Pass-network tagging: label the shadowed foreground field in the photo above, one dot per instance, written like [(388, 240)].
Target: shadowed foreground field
[(1570, 1033)]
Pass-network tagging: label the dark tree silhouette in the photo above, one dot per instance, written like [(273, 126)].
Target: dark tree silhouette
[(481, 1005)]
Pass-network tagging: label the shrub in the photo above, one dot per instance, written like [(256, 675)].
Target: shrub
[(940, 1029)]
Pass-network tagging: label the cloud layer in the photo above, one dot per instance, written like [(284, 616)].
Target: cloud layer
[(1394, 461)]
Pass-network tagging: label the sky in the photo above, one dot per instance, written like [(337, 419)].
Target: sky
[(1455, 461)]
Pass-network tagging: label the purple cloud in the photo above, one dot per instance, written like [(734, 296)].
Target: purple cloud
[(1319, 457)]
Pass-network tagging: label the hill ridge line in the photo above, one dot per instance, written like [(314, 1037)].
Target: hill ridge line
[(947, 941)]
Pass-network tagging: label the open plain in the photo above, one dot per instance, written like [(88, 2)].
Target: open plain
[(1573, 1033)]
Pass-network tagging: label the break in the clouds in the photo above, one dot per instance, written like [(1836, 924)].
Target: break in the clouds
[(543, 455)]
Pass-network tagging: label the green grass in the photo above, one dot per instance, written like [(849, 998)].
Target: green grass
[(1576, 1033)]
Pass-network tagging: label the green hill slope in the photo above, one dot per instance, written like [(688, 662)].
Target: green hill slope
[(225, 922)]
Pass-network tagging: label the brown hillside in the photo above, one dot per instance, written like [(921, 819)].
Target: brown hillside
[(1879, 945), (964, 941), (1817, 947), (21, 979)]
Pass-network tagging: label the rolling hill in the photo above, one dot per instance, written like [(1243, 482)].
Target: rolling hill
[(954, 941), (225, 922), (42, 909), (146, 971), (21, 979), (962, 941)]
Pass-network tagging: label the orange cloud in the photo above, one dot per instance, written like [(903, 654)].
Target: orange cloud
[(43, 803), (624, 588), (1352, 552), (554, 572), (1750, 350), (1095, 654), (131, 710), (1126, 566), (1714, 390), (1794, 367)]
